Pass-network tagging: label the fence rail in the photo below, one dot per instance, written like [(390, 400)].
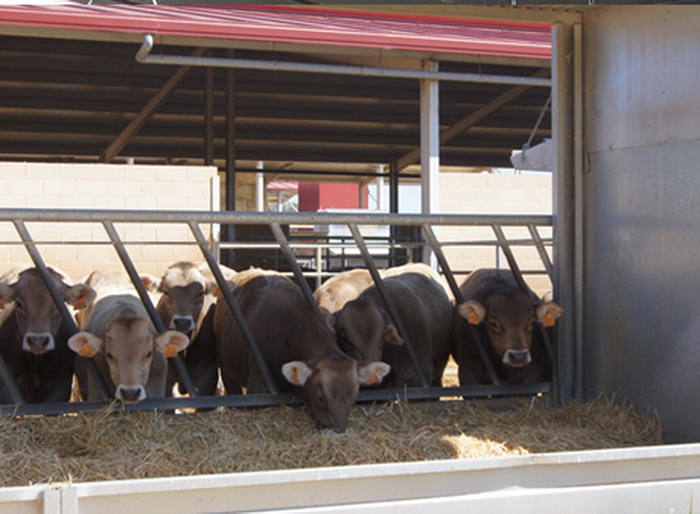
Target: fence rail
[(428, 227)]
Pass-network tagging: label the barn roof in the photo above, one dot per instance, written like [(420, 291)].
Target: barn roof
[(72, 85)]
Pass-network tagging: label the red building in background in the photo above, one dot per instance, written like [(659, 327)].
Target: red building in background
[(316, 197)]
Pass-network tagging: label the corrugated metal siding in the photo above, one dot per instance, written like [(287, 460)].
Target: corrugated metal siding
[(296, 25)]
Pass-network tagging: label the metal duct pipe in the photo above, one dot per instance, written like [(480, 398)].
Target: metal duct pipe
[(143, 56)]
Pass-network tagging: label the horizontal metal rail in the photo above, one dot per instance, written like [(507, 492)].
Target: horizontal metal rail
[(275, 221)]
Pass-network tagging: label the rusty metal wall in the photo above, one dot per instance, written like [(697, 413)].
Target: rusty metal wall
[(641, 232)]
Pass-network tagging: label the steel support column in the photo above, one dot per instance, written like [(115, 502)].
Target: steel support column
[(564, 208)]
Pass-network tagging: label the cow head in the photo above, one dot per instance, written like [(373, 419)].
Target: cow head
[(330, 386), (128, 345), (38, 318), (510, 319), (362, 329), (185, 290)]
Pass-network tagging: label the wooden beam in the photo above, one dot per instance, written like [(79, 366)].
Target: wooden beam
[(148, 111), (466, 123)]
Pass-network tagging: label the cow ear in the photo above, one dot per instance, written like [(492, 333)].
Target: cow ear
[(150, 282), (371, 373), (296, 372), (85, 344), (216, 291), (391, 335), (7, 295), (80, 296), (547, 313), (171, 342), (473, 311)]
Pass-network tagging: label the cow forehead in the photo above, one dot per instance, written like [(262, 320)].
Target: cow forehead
[(512, 306), (130, 333), (177, 277), (30, 285)]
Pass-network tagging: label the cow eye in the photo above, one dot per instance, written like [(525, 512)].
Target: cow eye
[(495, 326), (110, 356), (149, 354), (321, 399)]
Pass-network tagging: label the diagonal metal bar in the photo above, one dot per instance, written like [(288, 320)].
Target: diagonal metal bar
[(541, 250), (468, 122), (510, 257), (388, 301), (442, 261), (230, 300), (146, 300), (148, 111), (298, 275), (56, 295)]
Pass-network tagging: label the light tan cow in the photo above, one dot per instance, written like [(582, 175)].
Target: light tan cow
[(128, 351)]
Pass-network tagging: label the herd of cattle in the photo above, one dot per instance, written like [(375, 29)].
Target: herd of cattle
[(326, 351)]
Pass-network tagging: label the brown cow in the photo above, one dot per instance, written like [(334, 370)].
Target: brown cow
[(365, 329), (506, 318), (189, 292), (127, 350), (34, 335), (296, 345)]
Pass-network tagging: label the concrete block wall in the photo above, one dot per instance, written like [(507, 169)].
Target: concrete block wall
[(103, 186), (490, 193)]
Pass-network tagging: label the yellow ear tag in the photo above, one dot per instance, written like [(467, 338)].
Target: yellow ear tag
[(549, 320), (170, 350), (2, 304), (86, 351), (371, 380), (294, 378), (473, 317), (80, 304)]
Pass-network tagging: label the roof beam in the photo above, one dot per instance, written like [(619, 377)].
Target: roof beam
[(466, 123), (148, 110)]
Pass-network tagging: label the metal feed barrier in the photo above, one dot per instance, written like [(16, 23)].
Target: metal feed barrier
[(275, 223)]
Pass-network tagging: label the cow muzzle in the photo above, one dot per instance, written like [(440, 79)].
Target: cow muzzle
[(130, 394), (183, 324), (517, 358), (38, 343)]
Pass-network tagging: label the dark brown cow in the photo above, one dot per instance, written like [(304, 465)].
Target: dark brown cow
[(506, 319), (34, 336), (127, 350), (296, 345), (189, 292), (365, 329)]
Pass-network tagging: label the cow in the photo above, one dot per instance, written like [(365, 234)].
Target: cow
[(296, 344), (188, 293), (505, 318), (122, 340), (34, 335), (365, 329)]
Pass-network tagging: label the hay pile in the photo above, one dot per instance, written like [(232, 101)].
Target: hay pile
[(115, 445)]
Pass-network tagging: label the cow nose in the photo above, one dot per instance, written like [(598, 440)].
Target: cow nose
[(38, 343), (182, 324), (517, 358), (129, 394)]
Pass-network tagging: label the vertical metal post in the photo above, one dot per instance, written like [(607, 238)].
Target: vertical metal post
[(391, 307), (56, 295), (232, 304), (209, 115), (564, 208), (146, 300), (229, 231), (429, 148)]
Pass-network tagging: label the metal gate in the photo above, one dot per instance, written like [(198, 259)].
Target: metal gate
[(430, 245)]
